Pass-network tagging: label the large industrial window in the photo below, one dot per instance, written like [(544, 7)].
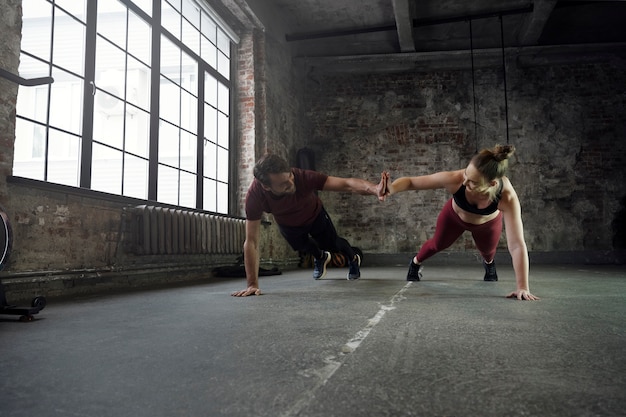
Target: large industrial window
[(140, 104)]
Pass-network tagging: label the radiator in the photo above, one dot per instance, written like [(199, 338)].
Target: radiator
[(164, 231)]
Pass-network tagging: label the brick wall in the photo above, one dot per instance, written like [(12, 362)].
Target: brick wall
[(567, 122)]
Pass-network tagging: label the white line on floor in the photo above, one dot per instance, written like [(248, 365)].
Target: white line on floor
[(332, 365)]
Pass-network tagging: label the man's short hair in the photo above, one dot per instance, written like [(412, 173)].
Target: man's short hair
[(270, 164)]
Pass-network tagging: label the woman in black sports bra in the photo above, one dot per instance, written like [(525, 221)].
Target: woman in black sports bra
[(482, 197)]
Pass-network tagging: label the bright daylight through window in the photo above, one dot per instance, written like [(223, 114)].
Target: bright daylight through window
[(140, 103)]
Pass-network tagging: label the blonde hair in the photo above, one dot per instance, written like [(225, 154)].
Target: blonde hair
[(492, 164)]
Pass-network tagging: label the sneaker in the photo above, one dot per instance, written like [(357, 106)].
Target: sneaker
[(355, 272), (319, 268), (490, 271), (415, 272)]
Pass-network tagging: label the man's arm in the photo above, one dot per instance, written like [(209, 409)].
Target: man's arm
[(355, 185), (251, 259)]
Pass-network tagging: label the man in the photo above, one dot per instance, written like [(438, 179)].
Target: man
[(290, 194)]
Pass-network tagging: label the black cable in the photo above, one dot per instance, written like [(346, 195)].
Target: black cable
[(473, 84), (506, 101)]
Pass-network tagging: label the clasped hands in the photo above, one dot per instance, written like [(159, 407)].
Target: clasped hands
[(382, 188)]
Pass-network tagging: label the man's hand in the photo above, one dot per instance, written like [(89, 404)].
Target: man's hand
[(252, 290), (522, 295)]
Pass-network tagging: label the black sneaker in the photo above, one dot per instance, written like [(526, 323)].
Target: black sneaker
[(319, 268), (415, 272), (490, 271), (354, 272)]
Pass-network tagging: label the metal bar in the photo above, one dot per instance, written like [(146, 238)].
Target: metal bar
[(31, 82), (431, 22)]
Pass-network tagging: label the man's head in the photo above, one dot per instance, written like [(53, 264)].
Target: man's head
[(274, 174)]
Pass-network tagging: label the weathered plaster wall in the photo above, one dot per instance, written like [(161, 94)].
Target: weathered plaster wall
[(10, 27)]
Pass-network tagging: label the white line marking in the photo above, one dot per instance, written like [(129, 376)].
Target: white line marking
[(332, 364)]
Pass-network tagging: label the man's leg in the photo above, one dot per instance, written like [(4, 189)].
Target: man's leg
[(325, 234), (299, 239)]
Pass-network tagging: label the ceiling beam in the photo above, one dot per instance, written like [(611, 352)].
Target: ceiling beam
[(528, 56), (403, 11), (535, 22)]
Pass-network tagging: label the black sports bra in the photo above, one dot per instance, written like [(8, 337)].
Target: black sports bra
[(461, 200)]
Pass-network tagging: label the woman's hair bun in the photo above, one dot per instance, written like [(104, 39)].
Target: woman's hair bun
[(502, 152)]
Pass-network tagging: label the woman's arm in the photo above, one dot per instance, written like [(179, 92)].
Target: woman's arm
[(450, 180), (511, 210)]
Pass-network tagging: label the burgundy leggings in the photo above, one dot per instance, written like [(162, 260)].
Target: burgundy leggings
[(450, 227)]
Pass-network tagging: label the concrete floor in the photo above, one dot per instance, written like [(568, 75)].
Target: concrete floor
[(451, 345)]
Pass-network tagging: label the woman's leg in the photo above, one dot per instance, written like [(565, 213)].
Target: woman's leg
[(487, 236), (448, 229)]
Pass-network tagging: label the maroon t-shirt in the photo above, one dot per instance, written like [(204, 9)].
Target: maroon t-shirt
[(292, 210)]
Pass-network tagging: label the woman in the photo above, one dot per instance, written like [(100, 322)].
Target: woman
[(482, 196)]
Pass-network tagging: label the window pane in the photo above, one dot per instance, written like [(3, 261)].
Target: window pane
[(167, 188), (108, 120), (223, 65), (222, 165), (210, 123), (191, 12), (210, 89), (222, 198), (106, 170), (63, 158), (137, 132), (189, 150), (66, 102), (209, 28), (223, 43), (189, 112), (169, 144), (170, 60), (170, 19), (210, 160), (139, 38), (138, 84), (74, 7), (210, 193), (32, 102), (112, 21), (145, 5), (135, 177), (110, 68), (191, 37), (222, 130), (187, 189), (30, 147), (208, 52), (223, 97), (169, 102), (189, 74), (69, 43), (37, 28)]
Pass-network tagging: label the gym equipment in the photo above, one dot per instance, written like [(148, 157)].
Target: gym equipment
[(38, 303)]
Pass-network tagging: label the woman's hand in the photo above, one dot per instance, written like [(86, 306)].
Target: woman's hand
[(252, 290), (522, 295)]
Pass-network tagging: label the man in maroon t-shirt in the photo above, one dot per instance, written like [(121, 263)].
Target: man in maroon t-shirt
[(290, 195)]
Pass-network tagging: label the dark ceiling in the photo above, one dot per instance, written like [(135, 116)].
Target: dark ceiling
[(357, 27)]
